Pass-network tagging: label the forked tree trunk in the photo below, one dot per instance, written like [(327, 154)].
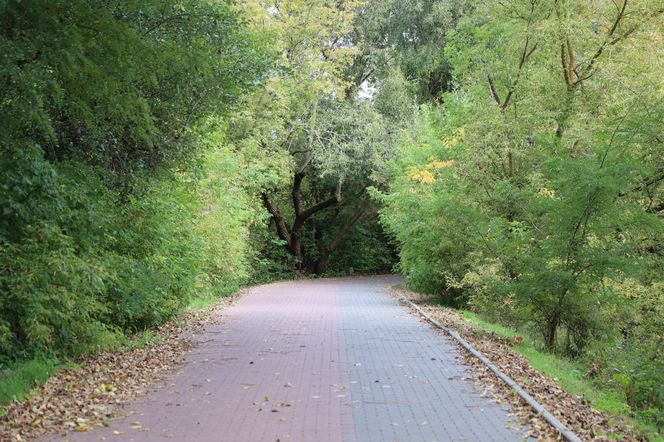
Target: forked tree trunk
[(292, 236)]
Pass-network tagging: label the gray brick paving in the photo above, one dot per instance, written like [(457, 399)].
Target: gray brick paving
[(405, 382), (336, 359)]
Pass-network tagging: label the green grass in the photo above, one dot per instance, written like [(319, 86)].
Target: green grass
[(206, 297), (202, 302), (17, 380), (568, 374), (143, 339), (20, 378)]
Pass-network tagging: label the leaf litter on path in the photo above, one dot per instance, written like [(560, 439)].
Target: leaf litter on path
[(573, 411), (82, 398)]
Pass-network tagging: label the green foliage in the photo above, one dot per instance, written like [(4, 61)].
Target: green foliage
[(366, 250), (569, 374), (142, 166), (45, 274), (229, 212), (321, 140), (119, 200), (120, 84), (632, 364), (18, 379), (432, 229), (97, 267), (408, 35), (533, 194)]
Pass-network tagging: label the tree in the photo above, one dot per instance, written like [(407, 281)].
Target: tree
[(120, 84), (533, 193), (311, 118), (106, 115), (343, 151), (409, 36)]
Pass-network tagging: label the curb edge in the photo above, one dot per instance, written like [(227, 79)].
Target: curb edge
[(565, 432)]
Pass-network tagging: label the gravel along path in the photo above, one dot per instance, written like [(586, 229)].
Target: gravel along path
[(320, 360)]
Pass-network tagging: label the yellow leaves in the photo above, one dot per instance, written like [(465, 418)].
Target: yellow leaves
[(452, 141), (435, 164), (547, 193), (421, 176), (428, 174)]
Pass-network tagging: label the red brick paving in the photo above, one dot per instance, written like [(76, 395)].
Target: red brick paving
[(296, 362)]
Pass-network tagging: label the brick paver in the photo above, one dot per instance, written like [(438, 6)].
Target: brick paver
[(406, 384), (325, 360)]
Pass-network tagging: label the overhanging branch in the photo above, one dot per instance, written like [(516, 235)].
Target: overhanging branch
[(335, 199)]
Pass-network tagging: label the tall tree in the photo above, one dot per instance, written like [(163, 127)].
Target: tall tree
[(310, 118), (120, 84), (410, 36), (551, 146)]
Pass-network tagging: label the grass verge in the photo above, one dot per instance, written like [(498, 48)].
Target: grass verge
[(17, 380), (568, 374)]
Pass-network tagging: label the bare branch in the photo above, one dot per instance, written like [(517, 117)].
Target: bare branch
[(492, 87)]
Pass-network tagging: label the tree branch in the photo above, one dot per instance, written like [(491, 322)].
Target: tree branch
[(296, 193), (335, 199), (525, 54), (659, 176), (305, 163), (587, 71), (280, 222), (325, 255), (494, 92)]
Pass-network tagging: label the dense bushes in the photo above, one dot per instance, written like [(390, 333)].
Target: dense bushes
[(80, 267), (119, 202), (120, 84), (533, 194)]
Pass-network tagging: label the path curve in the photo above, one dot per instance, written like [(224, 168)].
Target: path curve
[(323, 360)]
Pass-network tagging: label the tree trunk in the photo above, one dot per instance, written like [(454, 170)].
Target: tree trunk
[(550, 330), (321, 264), (292, 236)]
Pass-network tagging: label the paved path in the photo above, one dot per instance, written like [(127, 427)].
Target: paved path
[(325, 360)]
